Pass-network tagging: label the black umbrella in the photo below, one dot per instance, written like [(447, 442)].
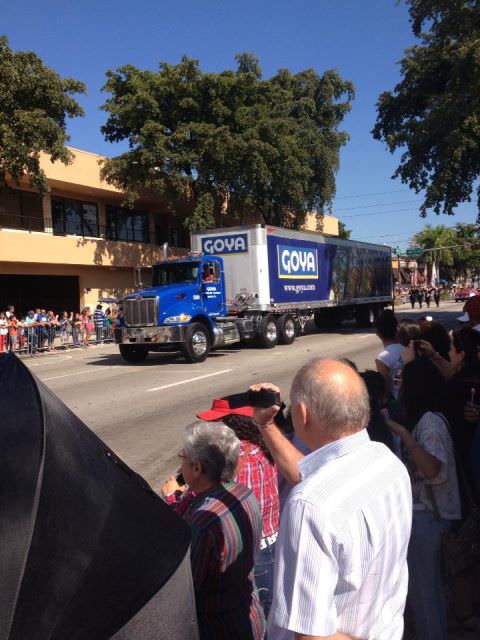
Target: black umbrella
[(87, 550)]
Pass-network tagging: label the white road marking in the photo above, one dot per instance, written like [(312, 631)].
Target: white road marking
[(369, 335), (176, 384), (77, 373), (53, 361)]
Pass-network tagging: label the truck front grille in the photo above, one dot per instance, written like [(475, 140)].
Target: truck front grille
[(140, 312)]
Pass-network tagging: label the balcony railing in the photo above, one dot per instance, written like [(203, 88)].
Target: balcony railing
[(47, 225), (19, 221), (84, 230)]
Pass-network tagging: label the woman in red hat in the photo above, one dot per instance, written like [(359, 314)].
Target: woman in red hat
[(257, 471)]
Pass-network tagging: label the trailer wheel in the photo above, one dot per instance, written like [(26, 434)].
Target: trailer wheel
[(365, 316), (133, 353), (286, 329), (267, 333), (197, 343)]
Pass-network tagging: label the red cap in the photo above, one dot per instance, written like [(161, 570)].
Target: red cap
[(472, 307), (221, 408)]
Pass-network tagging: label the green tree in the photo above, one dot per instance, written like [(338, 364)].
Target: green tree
[(467, 254), (343, 232), (433, 114), (436, 237), (34, 105), (232, 143)]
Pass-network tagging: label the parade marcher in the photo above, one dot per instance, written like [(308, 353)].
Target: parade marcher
[(420, 297), (413, 297), (436, 296), (428, 297)]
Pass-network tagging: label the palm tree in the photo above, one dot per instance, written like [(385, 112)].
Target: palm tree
[(435, 238)]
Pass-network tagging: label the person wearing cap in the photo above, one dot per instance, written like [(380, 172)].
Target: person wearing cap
[(471, 313), (257, 471), (226, 528)]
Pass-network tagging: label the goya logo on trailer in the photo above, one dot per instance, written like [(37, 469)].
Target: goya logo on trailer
[(299, 263), (221, 245)]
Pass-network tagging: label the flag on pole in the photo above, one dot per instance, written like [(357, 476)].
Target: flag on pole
[(433, 281)]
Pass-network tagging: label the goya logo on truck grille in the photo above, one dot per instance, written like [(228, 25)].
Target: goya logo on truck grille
[(222, 245), (299, 263)]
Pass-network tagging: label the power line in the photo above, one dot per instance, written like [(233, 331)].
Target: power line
[(383, 204), (367, 195), (378, 213), (388, 235)]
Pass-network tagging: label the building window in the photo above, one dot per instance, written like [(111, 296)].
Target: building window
[(74, 217), (173, 234), (20, 210), (126, 224)]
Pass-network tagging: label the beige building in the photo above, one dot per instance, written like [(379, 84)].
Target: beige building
[(77, 244)]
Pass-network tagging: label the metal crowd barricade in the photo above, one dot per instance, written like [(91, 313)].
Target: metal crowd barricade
[(43, 338)]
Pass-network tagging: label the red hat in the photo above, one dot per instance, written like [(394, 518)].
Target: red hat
[(471, 310), (221, 408)]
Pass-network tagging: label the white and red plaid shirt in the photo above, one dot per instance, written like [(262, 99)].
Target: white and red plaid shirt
[(260, 475)]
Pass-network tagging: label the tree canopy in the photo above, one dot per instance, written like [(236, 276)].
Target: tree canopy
[(343, 232), (433, 113), (34, 105), (440, 236), (462, 246), (232, 143)]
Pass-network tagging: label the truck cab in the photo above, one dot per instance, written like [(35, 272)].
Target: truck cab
[(179, 312)]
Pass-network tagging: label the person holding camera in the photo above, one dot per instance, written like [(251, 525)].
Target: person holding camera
[(341, 564)]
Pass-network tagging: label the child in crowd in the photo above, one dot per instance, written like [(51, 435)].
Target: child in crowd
[(64, 323), (3, 331), (13, 332)]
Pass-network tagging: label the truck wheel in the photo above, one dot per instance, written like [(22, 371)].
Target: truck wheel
[(365, 316), (133, 353), (197, 343), (267, 333), (286, 329)]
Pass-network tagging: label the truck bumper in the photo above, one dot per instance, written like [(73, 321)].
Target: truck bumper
[(150, 335)]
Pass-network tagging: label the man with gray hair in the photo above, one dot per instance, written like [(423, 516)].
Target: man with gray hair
[(341, 568)]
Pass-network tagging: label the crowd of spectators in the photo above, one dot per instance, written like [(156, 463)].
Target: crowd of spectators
[(328, 519), (42, 330)]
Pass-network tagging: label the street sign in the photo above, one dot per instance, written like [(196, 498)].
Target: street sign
[(414, 252)]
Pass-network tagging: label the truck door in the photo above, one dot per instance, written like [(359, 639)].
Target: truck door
[(212, 288)]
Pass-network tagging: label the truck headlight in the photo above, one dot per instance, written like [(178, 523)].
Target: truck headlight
[(175, 319)]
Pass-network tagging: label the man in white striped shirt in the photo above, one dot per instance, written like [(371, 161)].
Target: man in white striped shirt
[(341, 568)]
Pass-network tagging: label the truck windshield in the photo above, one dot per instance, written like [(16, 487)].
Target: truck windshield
[(175, 272)]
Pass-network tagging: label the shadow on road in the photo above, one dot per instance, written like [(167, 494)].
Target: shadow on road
[(154, 359)]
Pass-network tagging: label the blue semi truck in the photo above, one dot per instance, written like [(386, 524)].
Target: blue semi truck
[(253, 283)]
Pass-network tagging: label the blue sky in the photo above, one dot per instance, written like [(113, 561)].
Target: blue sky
[(364, 40)]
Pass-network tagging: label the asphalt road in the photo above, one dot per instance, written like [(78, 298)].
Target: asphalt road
[(140, 410)]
